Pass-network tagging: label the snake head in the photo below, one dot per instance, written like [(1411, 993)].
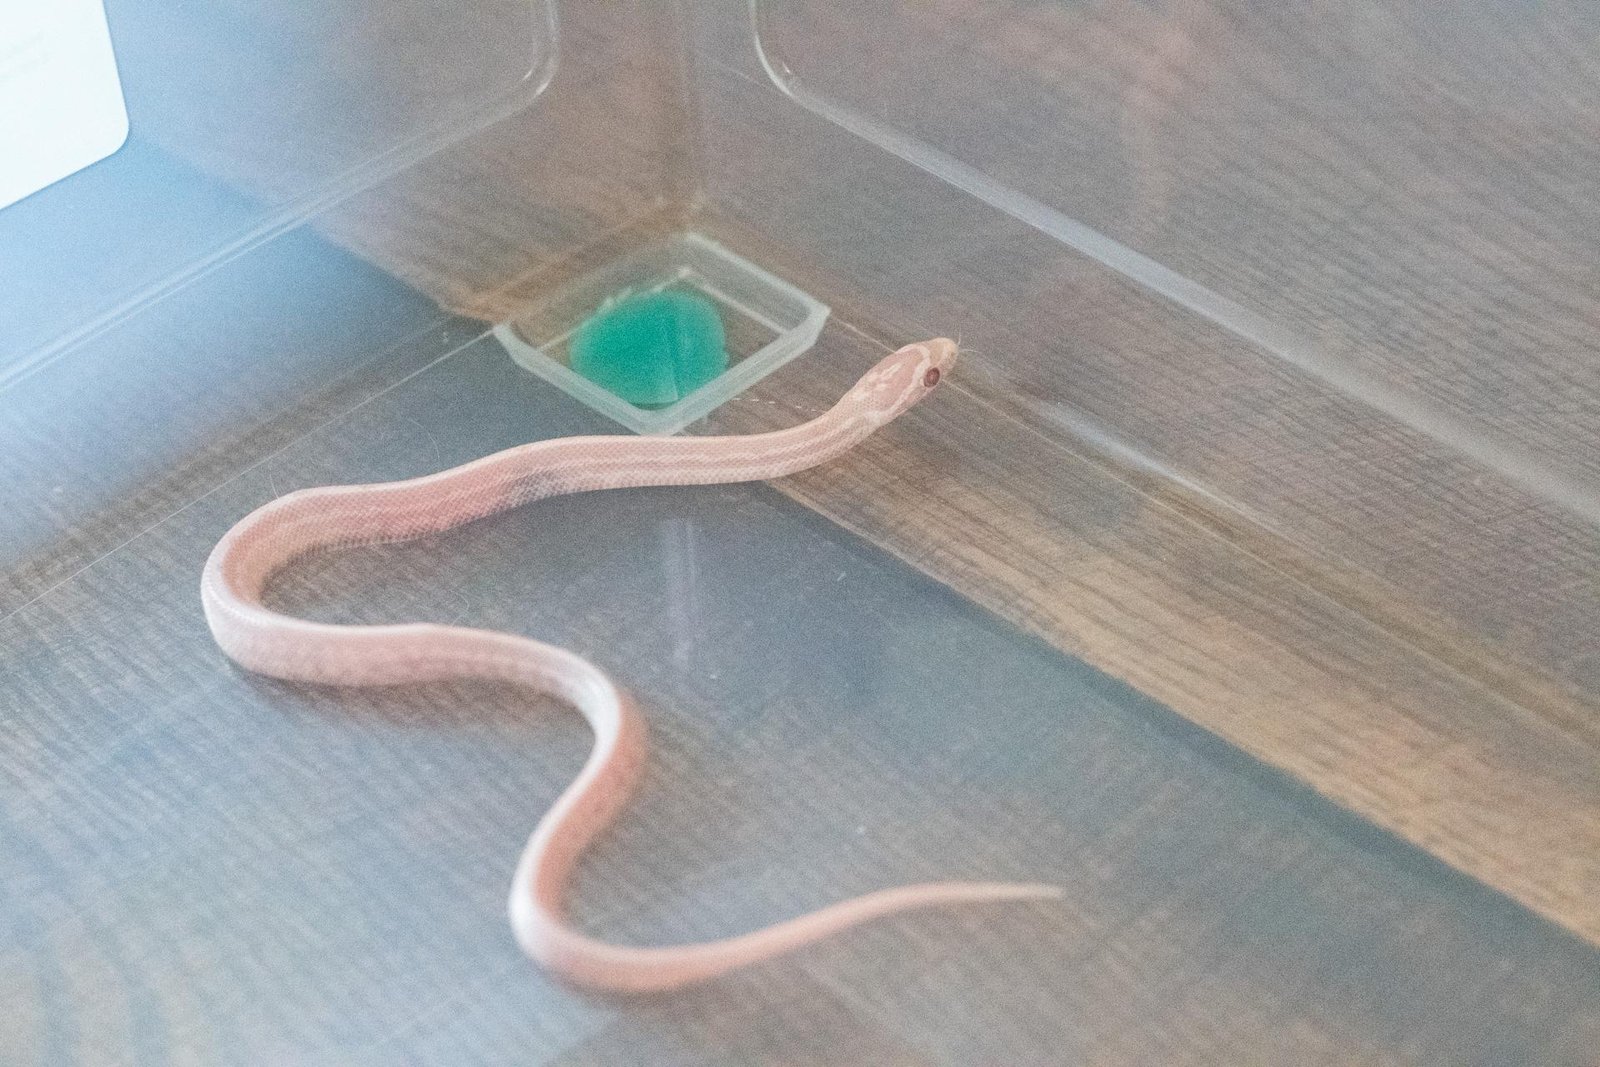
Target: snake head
[(903, 378)]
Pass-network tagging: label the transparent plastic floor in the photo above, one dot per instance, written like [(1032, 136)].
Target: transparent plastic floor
[(826, 721)]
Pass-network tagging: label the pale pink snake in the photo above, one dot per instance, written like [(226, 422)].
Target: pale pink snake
[(260, 639)]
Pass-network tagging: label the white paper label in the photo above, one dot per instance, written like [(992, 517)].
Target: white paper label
[(61, 105)]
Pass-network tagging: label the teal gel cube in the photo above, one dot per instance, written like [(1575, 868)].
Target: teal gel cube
[(652, 349)]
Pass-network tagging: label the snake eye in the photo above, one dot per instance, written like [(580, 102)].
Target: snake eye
[(931, 379)]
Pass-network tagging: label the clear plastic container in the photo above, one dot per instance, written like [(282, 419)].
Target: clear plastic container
[(1281, 394)]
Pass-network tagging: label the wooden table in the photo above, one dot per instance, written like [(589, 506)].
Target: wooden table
[(1348, 811)]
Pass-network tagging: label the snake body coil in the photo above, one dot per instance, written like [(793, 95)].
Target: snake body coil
[(262, 640)]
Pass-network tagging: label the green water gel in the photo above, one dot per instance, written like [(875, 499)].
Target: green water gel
[(651, 349)]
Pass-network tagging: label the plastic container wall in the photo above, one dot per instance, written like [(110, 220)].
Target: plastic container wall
[(244, 121), (1255, 256), (311, 200)]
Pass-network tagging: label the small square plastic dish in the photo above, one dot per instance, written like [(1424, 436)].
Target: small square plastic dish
[(766, 323)]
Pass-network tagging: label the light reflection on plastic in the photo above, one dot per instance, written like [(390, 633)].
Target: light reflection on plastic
[(61, 105)]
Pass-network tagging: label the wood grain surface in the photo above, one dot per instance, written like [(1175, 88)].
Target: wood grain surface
[(605, 156), (297, 99), (205, 867), (1081, 347), (1010, 518), (1494, 591), (1414, 189), (1324, 588), (1491, 589)]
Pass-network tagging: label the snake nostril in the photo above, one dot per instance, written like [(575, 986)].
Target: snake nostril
[(931, 378)]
